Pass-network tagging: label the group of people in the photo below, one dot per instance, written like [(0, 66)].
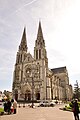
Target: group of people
[(75, 109), (10, 106)]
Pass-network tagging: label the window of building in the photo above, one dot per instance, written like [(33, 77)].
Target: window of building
[(28, 58), (39, 53), (36, 54), (18, 58), (21, 58)]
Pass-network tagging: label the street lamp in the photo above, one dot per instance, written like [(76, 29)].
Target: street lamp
[(50, 78), (33, 88), (31, 75), (32, 92)]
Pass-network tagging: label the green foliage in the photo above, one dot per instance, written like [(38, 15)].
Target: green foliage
[(6, 94), (69, 106), (1, 109), (79, 104), (76, 91)]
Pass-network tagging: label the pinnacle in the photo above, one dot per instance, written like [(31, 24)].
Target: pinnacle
[(23, 44), (40, 34)]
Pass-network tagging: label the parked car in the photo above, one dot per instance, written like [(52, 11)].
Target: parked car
[(46, 103), (55, 101)]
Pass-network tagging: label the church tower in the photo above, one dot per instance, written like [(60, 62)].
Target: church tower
[(40, 55), (18, 71), (39, 49), (22, 49)]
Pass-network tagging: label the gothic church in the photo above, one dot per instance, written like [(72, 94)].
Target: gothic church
[(33, 80)]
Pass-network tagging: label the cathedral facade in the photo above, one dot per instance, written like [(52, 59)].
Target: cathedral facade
[(33, 80)]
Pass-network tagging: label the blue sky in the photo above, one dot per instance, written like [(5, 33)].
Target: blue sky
[(61, 30)]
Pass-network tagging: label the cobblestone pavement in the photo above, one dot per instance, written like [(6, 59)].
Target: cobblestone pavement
[(39, 113)]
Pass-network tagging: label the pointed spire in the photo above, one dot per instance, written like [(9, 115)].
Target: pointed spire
[(23, 44), (40, 34)]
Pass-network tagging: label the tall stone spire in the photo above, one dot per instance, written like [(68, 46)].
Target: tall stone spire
[(39, 49), (40, 34), (23, 44)]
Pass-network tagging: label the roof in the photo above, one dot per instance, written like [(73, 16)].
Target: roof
[(59, 70)]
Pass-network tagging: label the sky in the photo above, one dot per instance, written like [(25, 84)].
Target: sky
[(60, 20)]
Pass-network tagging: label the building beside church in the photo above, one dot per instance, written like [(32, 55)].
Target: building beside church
[(32, 79)]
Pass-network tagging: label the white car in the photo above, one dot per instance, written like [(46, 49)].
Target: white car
[(46, 103)]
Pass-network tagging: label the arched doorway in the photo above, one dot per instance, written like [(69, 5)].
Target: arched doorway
[(27, 95), (16, 95), (37, 96)]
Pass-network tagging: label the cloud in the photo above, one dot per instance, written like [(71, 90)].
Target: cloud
[(55, 58)]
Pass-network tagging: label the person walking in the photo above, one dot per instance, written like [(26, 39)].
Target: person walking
[(14, 106), (76, 109)]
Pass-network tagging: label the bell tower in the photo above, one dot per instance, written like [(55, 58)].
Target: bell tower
[(40, 56), (39, 49), (18, 71), (21, 54)]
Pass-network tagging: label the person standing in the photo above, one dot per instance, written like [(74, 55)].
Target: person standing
[(5, 106), (76, 110), (14, 106), (9, 106)]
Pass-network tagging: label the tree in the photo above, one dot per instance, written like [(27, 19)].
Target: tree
[(76, 93), (6, 93)]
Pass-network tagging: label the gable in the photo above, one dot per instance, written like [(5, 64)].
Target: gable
[(29, 58)]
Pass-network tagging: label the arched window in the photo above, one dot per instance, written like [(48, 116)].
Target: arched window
[(18, 58), (36, 54), (39, 53), (21, 58)]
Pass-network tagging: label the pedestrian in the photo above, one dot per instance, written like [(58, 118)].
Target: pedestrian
[(14, 106), (9, 106), (12, 109), (75, 109), (5, 106)]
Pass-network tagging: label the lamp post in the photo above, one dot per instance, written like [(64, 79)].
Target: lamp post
[(31, 76), (51, 89), (32, 92), (50, 76)]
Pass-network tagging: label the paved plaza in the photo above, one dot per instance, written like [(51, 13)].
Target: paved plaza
[(39, 113)]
